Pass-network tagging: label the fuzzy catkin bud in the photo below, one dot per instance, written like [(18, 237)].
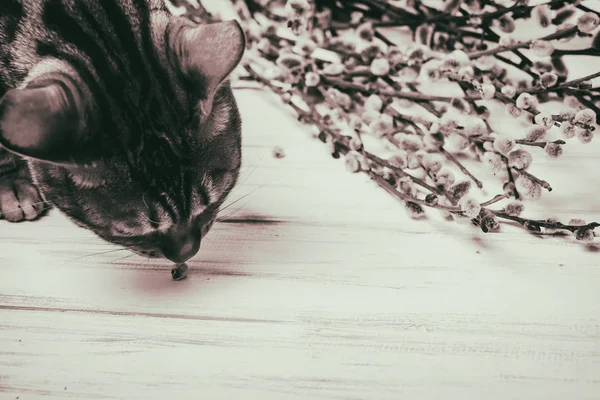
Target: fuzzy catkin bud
[(432, 163), (576, 222), (410, 143), (483, 112), (431, 70), (356, 144), (445, 178), (330, 144), (355, 123), (461, 105), (450, 64), (413, 161), (333, 69), (475, 127), (399, 159), (380, 67), (352, 163), (508, 188), (457, 142), (526, 100), (460, 189), (370, 52), (544, 120), (548, 79), (382, 125), (434, 128), (513, 111), (373, 103), (506, 23), (541, 48), (487, 91), (504, 144), (588, 22), (514, 208), (297, 7), (356, 17), (447, 123), (508, 91), (407, 186), (542, 67), (305, 46), (414, 210), (469, 206), (366, 31), (585, 136), (312, 79), (264, 45), (466, 73), (568, 130), (553, 150), (585, 117), (535, 133), (369, 116), (584, 234), (529, 188), (493, 160), (432, 199), (431, 142), (548, 230), (489, 223), (520, 159), (460, 57), (571, 102), (542, 15), (486, 63), (506, 40)]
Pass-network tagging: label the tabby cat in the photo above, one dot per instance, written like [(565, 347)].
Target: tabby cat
[(120, 115)]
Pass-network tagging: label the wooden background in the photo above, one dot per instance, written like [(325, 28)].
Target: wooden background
[(318, 286)]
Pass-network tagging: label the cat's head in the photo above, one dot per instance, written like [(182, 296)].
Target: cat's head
[(146, 181)]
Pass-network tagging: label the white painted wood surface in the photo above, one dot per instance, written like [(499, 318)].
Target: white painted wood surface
[(320, 287)]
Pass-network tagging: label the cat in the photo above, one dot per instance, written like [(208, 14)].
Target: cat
[(120, 115)]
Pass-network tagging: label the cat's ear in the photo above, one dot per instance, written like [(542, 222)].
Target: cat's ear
[(44, 121), (207, 54)]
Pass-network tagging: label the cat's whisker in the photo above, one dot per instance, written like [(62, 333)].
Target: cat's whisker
[(144, 200), (123, 258), (145, 216), (45, 208), (248, 194), (231, 214), (248, 173), (143, 261), (150, 220), (93, 254)]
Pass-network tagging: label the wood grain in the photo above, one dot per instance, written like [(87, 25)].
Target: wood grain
[(317, 287)]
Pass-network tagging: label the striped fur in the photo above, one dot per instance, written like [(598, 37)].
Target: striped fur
[(154, 164)]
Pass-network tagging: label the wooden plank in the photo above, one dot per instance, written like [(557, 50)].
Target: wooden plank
[(319, 286)]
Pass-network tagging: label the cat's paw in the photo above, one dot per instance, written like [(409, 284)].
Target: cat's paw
[(19, 199)]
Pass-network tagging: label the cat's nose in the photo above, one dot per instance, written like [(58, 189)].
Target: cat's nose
[(179, 246)]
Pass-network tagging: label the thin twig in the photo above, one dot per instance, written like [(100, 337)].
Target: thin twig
[(461, 167)]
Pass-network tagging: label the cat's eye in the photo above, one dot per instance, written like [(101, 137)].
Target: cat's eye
[(121, 233)]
